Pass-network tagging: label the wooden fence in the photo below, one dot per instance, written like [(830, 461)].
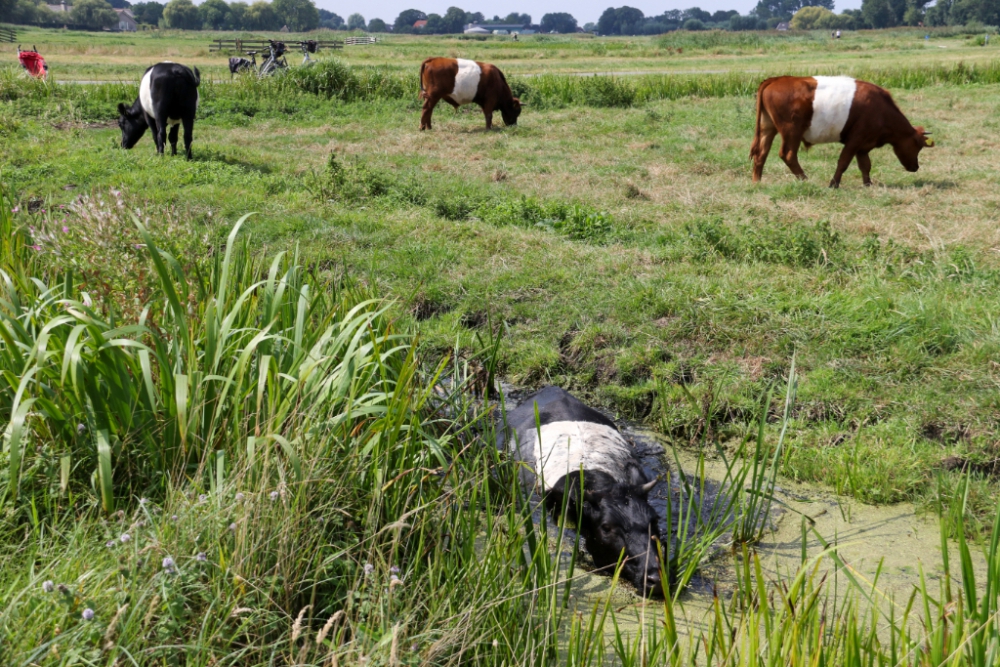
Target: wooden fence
[(259, 45), (360, 41), (7, 35)]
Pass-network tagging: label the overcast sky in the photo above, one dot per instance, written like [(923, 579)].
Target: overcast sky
[(589, 10)]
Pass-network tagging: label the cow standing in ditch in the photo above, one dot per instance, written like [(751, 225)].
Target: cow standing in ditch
[(459, 82), (829, 109), (609, 496)]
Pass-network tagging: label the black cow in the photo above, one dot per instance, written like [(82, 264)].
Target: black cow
[(616, 515), (238, 64), (168, 95)]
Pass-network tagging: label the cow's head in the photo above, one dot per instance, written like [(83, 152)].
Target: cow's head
[(133, 124), (615, 517), (511, 111), (909, 148)]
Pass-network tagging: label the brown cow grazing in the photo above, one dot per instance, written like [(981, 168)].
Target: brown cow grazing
[(829, 109), (459, 82)]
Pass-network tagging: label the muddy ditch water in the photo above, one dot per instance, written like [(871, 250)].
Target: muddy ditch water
[(866, 537)]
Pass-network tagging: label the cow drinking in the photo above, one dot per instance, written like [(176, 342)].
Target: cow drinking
[(168, 96), (830, 109), (610, 494), (459, 82)]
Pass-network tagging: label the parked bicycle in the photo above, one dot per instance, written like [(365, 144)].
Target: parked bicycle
[(275, 59), (308, 46)]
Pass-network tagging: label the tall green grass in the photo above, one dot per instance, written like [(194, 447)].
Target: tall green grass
[(268, 473), (304, 90)]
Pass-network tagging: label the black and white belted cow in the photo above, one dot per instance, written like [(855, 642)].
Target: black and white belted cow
[(168, 96), (615, 515)]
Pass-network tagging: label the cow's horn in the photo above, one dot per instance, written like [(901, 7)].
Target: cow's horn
[(648, 486)]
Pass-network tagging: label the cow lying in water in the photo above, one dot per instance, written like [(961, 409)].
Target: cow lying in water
[(830, 109), (615, 515), (459, 82)]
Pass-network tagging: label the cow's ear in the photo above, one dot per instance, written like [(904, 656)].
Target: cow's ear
[(121, 109)]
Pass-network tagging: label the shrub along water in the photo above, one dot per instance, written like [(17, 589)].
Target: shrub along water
[(304, 90)]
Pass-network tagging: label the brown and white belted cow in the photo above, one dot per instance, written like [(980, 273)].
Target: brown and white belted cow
[(458, 82), (829, 109)]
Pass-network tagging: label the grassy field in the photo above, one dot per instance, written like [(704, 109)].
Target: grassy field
[(75, 55), (613, 241)]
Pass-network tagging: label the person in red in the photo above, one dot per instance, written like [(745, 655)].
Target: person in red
[(33, 62)]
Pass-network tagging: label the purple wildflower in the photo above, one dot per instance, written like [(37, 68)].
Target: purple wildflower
[(16, 209), (274, 496), (240, 497), (202, 498), (202, 557), (125, 538), (168, 564), (110, 543), (369, 568), (48, 586), (232, 527), (394, 570), (88, 614)]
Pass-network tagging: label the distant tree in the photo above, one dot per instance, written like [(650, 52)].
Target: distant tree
[(560, 22), (723, 15), (750, 22), (260, 16), (356, 22), (783, 10), (330, 20), (878, 13), (237, 17), (589, 27), (697, 13), (181, 15), (474, 17), (520, 19), (404, 22), (94, 14), (147, 12), (454, 21), (214, 14), (298, 15), (434, 25), (620, 21), (377, 25), (694, 24), (120, 4), (810, 18)]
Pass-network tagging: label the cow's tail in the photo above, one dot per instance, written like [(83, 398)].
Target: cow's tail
[(197, 77), (755, 146), (423, 66)]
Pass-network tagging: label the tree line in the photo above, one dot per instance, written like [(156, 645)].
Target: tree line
[(298, 15), (303, 15)]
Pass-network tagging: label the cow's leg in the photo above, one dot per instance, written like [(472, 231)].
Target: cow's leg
[(790, 154), (488, 112), (425, 116), (865, 165), (188, 123), (846, 155), (159, 128), (173, 138), (763, 147)]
